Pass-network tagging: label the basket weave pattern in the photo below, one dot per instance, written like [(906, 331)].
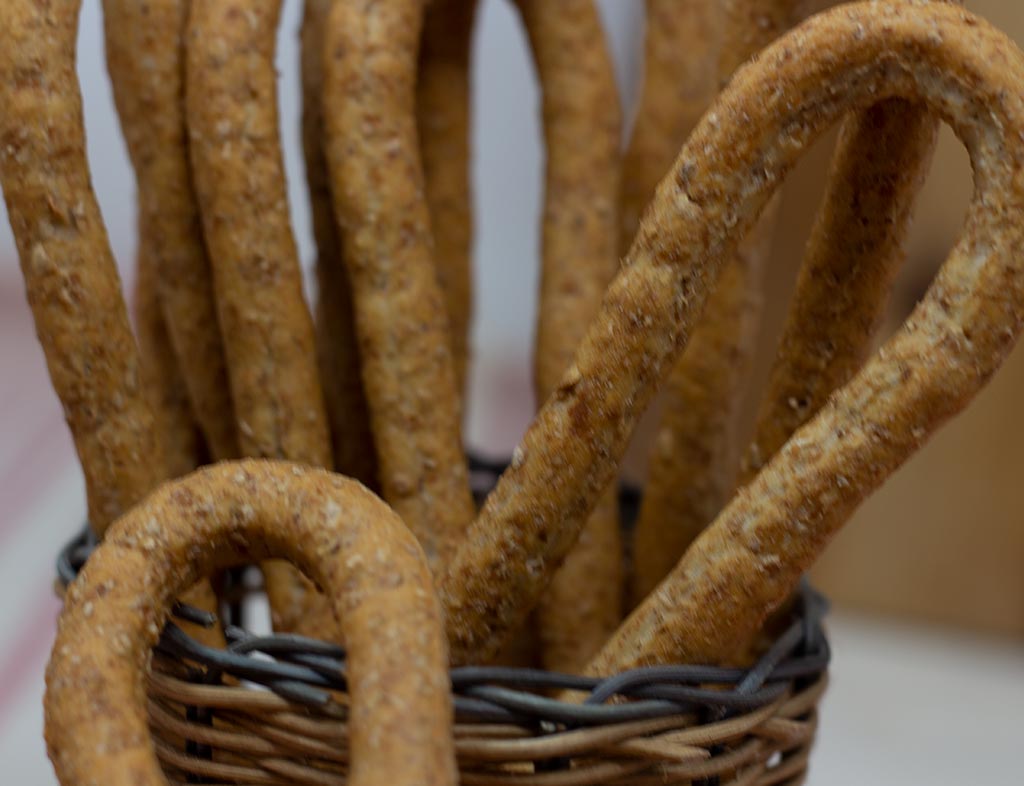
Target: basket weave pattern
[(273, 710)]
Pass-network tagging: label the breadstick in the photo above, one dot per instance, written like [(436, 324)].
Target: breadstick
[(689, 475), (149, 93), (583, 603), (442, 119), (377, 184), (70, 277), (695, 456), (337, 349), (855, 247), (840, 61), (336, 531), (172, 412), (749, 561), (231, 105)]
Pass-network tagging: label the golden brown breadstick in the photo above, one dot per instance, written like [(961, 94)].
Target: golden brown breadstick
[(855, 247), (681, 41), (231, 103), (583, 603), (336, 531), (442, 119), (337, 349), (748, 562), (172, 412), (840, 61), (691, 456), (70, 277), (695, 454), (377, 184), (145, 57)]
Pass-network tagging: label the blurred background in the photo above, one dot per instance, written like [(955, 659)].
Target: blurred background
[(928, 578)]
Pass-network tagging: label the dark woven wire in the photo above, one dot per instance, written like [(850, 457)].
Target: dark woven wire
[(305, 671)]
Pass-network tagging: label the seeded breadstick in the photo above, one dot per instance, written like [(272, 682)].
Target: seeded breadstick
[(855, 247), (343, 536), (442, 119), (583, 604), (749, 561), (840, 61), (72, 283), (337, 350), (695, 454), (172, 412), (70, 277), (377, 185), (231, 103), (691, 457), (145, 57)]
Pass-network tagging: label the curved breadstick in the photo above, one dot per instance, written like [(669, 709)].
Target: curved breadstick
[(691, 459), (70, 277), (336, 531), (172, 412), (855, 248), (377, 183), (145, 57), (839, 61), (442, 118), (751, 558), (337, 350), (695, 454), (231, 103), (583, 603)]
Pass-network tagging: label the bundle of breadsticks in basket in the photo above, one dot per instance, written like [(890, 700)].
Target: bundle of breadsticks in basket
[(238, 426)]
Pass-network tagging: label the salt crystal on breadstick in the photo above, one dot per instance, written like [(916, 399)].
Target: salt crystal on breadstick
[(748, 562), (336, 341), (442, 119), (237, 165), (583, 603), (145, 58), (370, 61)]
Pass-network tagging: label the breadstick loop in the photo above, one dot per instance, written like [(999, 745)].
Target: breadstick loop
[(340, 534)]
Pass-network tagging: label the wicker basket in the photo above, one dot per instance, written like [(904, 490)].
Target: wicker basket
[(272, 709)]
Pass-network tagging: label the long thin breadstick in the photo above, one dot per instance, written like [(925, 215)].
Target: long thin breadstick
[(442, 118), (854, 249), (377, 184), (231, 103), (70, 277), (695, 454), (145, 57), (840, 61), (686, 484), (748, 562), (583, 603), (337, 347), (172, 412)]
